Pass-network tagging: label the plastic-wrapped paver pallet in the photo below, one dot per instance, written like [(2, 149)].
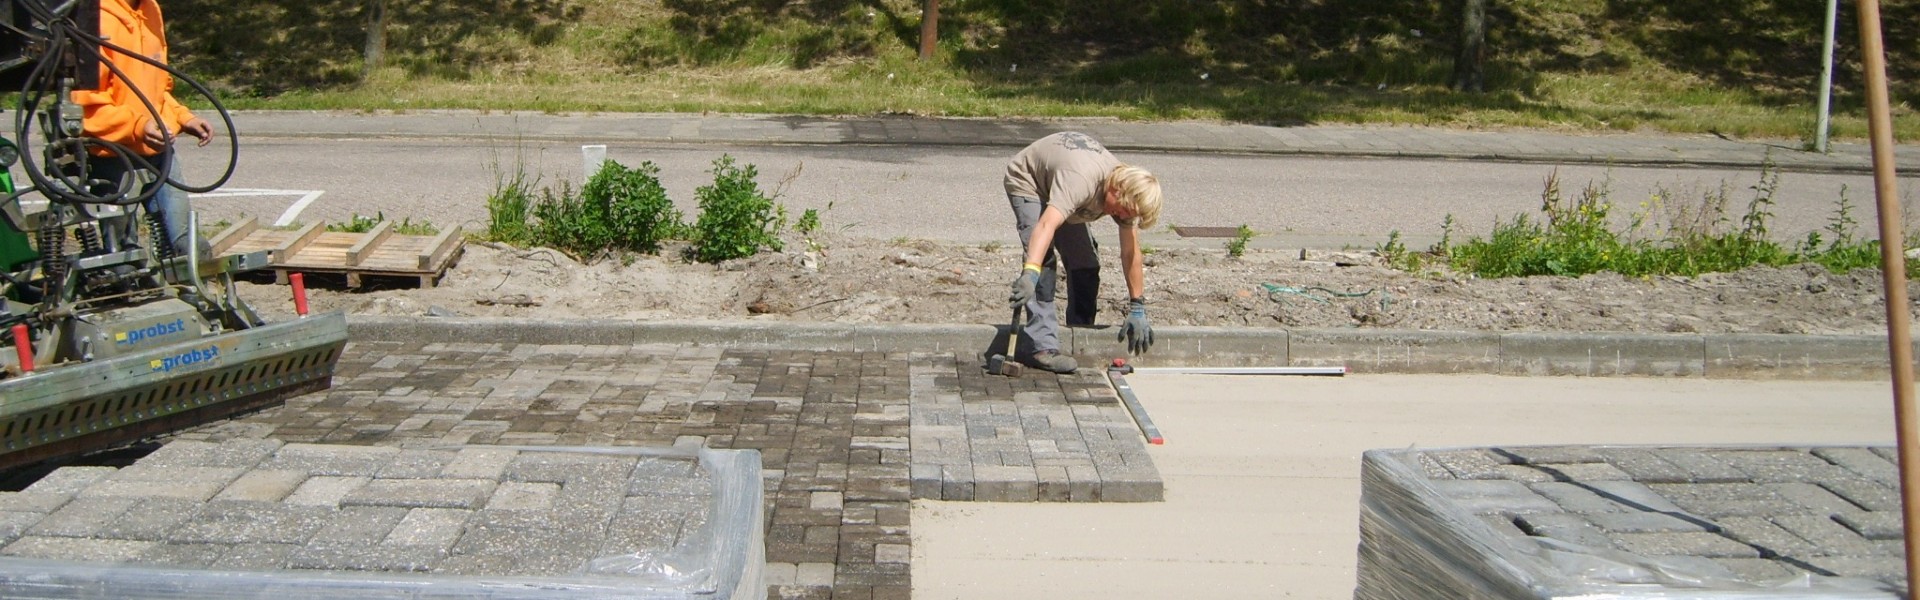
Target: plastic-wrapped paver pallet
[(258, 519), (1629, 522)]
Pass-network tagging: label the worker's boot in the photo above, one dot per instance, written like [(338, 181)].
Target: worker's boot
[(1052, 360)]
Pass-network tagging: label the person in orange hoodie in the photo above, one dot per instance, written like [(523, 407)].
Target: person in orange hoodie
[(115, 113)]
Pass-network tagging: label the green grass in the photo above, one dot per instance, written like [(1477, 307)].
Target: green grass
[(1737, 68)]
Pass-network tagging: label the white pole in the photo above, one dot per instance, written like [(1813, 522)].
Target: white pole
[(1826, 80)]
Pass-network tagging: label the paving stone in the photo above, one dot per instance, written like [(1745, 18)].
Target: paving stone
[(1778, 466), (68, 481), (1874, 525), (15, 524), (1864, 494), (83, 517), (1649, 522), (1814, 499), (239, 522), (1892, 570), (150, 519), (1566, 527), (421, 493), (325, 490), (415, 464), (1864, 463), (1472, 463), (1829, 536), (478, 462), (1716, 500), (515, 495), (436, 528), (1495, 497), (1549, 455), (332, 459), (186, 556), (1702, 467), (364, 525), (263, 485), (1757, 570), (1644, 466), (256, 557), (32, 502), (86, 550), (1684, 544), (385, 558), (229, 454)]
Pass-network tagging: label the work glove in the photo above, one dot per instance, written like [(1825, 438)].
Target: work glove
[(1136, 332), (1023, 288)]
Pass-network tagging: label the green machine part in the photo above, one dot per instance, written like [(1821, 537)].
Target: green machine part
[(14, 247)]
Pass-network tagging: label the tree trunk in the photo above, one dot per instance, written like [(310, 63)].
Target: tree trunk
[(376, 35), (929, 28), (1468, 66)]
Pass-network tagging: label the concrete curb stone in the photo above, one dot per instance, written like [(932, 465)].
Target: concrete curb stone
[(1725, 356)]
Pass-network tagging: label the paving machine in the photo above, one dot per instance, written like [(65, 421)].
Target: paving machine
[(108, 334)]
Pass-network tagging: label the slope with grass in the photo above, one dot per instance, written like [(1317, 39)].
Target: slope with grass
[(1744, 68)]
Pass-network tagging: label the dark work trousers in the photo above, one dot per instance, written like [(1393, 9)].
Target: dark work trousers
[(1073, 245)]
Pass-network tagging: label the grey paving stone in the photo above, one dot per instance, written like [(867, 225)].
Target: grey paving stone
[(326, 491), (1874, 525), (32, 502), (364, 525), (1761, 533), (1643, 465), (229, 454), (1634, 495), (1471, 463), (240, 522), (151, 519), (86, 550), (1702, 467), (1829, 536), (256, 557), (332, 459), (1758, 570), (421, 493), (1863, 462), (263, 485), (479, 462), (386, 558), (1891, 570), (415, 464), (1778, 466), (1549, 455), (1716, 500), (185, 556), (436, 528), (515, 495), (1650, 522), (1814, 499), (1566, 527), (68, 481), (15, 524), (83, 517), (1864, 494), (1684, 544), (1495, 497)]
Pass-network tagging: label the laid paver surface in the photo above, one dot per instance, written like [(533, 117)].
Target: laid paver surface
[(847, 439)]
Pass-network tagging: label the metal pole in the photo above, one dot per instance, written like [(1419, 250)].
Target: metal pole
[(929, 28), (1893, 269), (1826, 79)]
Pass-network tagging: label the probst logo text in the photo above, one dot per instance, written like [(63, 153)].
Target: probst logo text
[(186, 359), (136, 336)]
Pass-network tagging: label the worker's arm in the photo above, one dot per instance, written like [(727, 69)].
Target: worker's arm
[(1038, 242), (1131, 262), (1041, 240)]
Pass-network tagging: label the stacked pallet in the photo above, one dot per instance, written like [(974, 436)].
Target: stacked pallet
[(313, 249)]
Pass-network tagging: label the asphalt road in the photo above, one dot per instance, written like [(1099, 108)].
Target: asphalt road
[(953, 193)]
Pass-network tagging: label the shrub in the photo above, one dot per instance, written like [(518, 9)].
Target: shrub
[(639, 215), (736, 219)]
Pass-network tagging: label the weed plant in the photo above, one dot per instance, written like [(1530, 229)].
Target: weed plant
[(1237, 246), (1575, 238), (363, 224), (509, 210), (736, 219)]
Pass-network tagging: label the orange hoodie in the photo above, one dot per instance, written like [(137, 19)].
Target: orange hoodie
[(113, 113)]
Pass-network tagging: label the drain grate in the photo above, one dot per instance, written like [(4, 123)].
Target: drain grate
[(1207, 232)]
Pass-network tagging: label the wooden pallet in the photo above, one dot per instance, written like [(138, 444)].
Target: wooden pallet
[(313, 249)]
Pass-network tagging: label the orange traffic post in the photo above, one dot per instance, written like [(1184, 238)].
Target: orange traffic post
[(23, 344), (299, 282)]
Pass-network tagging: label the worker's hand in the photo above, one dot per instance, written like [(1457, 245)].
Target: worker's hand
[(1023, 287), (1136, 332), (198, 128), (153, 136)]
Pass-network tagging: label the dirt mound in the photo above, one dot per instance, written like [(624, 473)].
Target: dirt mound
[(854, 280)]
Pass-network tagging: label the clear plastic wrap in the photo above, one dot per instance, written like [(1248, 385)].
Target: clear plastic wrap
[(1417, 543), (724, 559)]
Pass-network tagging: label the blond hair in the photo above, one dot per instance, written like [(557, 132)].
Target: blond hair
[(1139, 190)]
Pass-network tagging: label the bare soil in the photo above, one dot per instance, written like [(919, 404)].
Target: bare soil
[(856, 280)]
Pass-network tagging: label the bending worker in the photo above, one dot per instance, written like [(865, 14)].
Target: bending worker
[(1056, 186), (114, 113)]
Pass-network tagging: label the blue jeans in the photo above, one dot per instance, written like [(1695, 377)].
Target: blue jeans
[(172, 205)]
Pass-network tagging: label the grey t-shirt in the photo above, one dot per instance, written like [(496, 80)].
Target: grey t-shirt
[(1066, 170)]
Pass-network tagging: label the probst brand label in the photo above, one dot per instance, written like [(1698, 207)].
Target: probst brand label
[(135, 336), (186, 359)]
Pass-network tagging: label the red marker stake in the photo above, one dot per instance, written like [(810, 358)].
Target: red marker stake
[(24, 345), (299, 294)]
